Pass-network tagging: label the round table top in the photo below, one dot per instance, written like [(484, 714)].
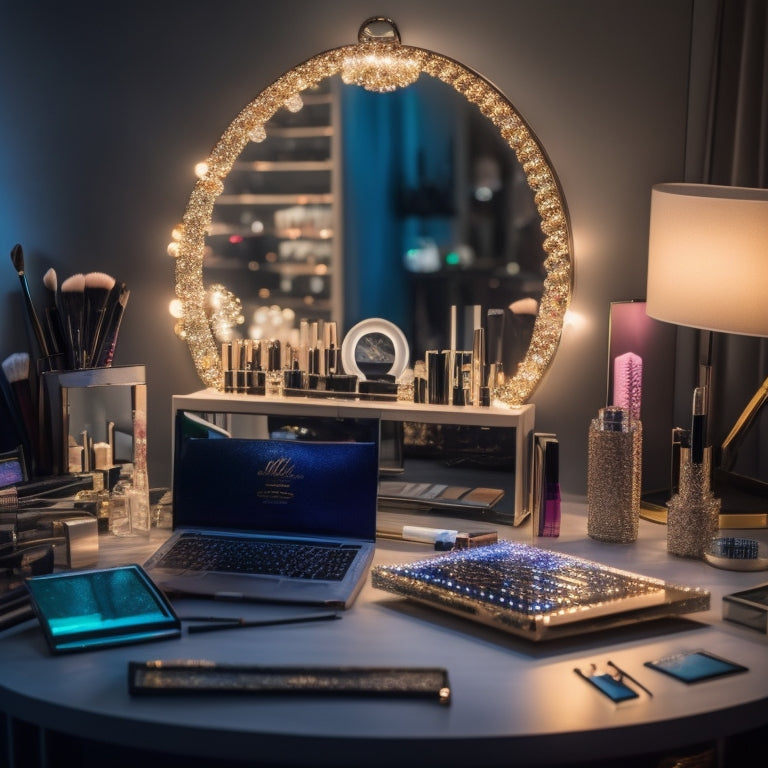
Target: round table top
[(509, 695)]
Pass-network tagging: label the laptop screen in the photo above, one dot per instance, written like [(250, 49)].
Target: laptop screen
[(298, 483)]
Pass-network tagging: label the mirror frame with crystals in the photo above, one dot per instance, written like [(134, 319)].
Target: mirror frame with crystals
[(379, 63)]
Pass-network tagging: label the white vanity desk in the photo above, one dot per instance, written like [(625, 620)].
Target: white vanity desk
[(513, 702)]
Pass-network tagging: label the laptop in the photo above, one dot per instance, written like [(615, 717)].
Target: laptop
[(309, 506)]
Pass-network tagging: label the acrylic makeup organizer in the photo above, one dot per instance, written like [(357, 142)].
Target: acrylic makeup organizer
[(519, 420)]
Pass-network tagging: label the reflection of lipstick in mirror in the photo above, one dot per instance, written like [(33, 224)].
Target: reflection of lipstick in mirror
[(495, 338), (111, 443)]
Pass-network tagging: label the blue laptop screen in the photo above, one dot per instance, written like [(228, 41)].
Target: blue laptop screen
[(315, 488)]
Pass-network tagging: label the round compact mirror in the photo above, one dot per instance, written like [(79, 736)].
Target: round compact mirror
[(375, 349)]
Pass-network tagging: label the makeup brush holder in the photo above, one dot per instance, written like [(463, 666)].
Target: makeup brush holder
[(693, 514), (614, 476)]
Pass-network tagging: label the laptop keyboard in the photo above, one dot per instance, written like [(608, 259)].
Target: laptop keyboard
[(293, 560)]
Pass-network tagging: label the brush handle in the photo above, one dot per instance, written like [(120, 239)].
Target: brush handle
[(108, 351), (55, 330), (23, 395), (34, 320), (111, 327), (72, 316), (12, 429), (97, 301)]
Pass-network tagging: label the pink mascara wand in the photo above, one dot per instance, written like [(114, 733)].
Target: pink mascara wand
[(72, 312), (98, 287), (17, 257), (628, 383)]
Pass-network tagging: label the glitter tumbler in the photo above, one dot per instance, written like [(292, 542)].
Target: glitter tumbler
[(693, 514), (614, 463)]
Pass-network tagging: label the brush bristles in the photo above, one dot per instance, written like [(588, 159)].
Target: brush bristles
[(99, 280), (16, 367), (74, 284), (528, 306), (50, 280), (17, 258)]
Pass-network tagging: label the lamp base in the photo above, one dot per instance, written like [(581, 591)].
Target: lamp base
[(744, 502)]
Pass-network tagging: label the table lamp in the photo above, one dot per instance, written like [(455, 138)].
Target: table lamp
[(708, 269)]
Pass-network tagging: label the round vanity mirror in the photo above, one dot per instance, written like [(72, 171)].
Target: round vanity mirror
[(251, 246)]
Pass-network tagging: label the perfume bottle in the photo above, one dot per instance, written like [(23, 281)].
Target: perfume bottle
[(693, 513), (614, 465)]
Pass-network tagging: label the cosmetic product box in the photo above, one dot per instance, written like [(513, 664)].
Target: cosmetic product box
[(81, 542), (748, 607)]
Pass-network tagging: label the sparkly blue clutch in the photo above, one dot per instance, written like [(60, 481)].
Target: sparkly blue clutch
[(535, 593)]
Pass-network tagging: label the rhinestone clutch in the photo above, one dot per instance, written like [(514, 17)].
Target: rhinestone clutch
[(536, 593)]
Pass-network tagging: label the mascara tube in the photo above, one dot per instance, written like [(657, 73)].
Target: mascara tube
[(550, 512), (226, 367), (495, 339), (478, 364), (698, 424)]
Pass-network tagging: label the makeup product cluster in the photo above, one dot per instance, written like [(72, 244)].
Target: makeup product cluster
[(314, 367), (75, 331)]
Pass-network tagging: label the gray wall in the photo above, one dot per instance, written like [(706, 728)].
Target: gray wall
[(105, 109)]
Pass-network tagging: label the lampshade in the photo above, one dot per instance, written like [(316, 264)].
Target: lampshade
[(708, 257)]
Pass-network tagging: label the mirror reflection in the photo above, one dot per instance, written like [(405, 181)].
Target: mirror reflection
[(361, 204)]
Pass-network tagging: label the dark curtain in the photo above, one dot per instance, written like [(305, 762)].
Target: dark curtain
[(737, 155)]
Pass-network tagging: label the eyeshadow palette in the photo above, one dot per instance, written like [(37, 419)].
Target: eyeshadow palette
[(103, 607), (536, 593)]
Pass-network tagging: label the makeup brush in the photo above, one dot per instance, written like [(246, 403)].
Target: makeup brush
[(114, 317), (72, 315), (52, 314), (16, 370), (17, 257), (12, 431), (98, 286)]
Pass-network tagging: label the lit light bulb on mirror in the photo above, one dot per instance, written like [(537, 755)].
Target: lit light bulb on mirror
[(176, 309), (294, 103), (257, 134), (201, 169)]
